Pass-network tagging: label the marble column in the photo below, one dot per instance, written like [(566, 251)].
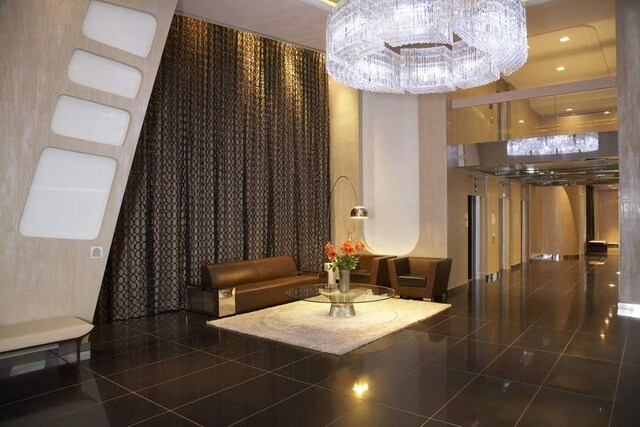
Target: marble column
[(628, 64), (344, 116), (432, 111)]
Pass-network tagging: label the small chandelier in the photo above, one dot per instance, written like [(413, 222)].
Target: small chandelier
[(425, 46), (555, 144)]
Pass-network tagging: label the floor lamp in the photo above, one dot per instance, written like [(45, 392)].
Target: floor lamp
[(358, 211)]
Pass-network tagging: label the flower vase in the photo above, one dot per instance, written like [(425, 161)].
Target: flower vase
[(345, 281)]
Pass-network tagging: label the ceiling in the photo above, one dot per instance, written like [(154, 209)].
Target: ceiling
[(589, 53), (602, 172)]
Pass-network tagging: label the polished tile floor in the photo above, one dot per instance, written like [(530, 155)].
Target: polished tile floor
[(542, 346)]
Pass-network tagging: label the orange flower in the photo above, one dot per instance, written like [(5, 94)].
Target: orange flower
[(347, 247), (360, 246), (330, 251)]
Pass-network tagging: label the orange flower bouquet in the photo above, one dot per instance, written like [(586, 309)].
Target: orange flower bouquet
[(346, 256)]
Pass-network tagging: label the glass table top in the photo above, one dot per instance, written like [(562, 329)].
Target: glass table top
[(323, 293)]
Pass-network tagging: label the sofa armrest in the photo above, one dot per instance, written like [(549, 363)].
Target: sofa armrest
[(397, 267), (380, 271), (401, 266)]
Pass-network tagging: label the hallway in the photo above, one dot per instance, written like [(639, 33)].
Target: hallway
[(542, 346)]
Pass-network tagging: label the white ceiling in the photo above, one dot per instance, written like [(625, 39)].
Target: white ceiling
[(589, 23), (301, 22)]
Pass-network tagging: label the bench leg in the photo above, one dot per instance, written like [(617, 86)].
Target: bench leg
[(78, 345), (78, 342)]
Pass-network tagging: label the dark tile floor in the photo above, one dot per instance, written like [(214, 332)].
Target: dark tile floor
[(542, 346)]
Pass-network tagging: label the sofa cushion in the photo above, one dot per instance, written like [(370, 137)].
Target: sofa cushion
[(274, 267), (228, 274), (413, 280), (263, 294), (360, 276)]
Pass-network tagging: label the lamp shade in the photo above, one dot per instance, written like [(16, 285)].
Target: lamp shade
[(359, 212)]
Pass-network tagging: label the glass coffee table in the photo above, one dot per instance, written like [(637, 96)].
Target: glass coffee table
[(342, 303)]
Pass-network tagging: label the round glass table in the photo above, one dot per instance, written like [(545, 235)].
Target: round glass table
[(342, 303)]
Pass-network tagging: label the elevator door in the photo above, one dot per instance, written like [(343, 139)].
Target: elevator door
[(505, 235), (524, 230), (474, 251)]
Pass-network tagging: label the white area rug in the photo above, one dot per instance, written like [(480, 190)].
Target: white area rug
[(308, 324)]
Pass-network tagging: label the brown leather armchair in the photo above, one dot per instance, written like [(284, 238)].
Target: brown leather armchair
[(418, 277), (372, 269)]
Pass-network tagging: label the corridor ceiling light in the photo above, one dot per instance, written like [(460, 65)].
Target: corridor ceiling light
[(607, 112), (564, 39), (425, 46), (569, 109), (555, 144), (560, 68)]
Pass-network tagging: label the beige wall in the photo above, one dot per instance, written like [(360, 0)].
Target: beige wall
[(607, 216), (432, 116), (344, 116), (44, 277), (557, 220), (516, 223)]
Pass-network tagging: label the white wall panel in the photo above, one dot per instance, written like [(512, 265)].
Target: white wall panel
[(53, 277), (123, 28), (390, 172), (101, 73), (68, 195), (78, 118)]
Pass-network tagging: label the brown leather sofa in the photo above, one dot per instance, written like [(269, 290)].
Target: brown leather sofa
[(418, 277), (372, 269), (258, 283)]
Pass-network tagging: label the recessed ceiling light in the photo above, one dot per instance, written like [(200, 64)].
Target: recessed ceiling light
[(607, 112), (560, 68), (564, 39), (569, 109), (520, 121)]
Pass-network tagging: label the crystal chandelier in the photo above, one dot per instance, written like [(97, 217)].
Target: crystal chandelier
[(425, 46), (556, 144)]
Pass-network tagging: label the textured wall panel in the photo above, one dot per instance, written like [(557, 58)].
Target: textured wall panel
[(45, 277)]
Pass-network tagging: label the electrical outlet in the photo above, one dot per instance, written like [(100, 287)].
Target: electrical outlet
[(96, 252)]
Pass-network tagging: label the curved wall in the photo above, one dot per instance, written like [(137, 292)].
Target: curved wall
[(390, 172), (557, 220)]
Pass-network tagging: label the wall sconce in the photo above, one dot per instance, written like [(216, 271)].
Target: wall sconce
[(358, 211)]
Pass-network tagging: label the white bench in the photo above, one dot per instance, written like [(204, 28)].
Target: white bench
[(41, 332)]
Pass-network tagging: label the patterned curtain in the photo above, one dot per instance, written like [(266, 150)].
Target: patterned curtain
[(232, 163)]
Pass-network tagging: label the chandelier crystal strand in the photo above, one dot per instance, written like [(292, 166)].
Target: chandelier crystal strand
[(472, 67), (366, 38), (555, 144), (403, 22), (380, 72), (427, 69)]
